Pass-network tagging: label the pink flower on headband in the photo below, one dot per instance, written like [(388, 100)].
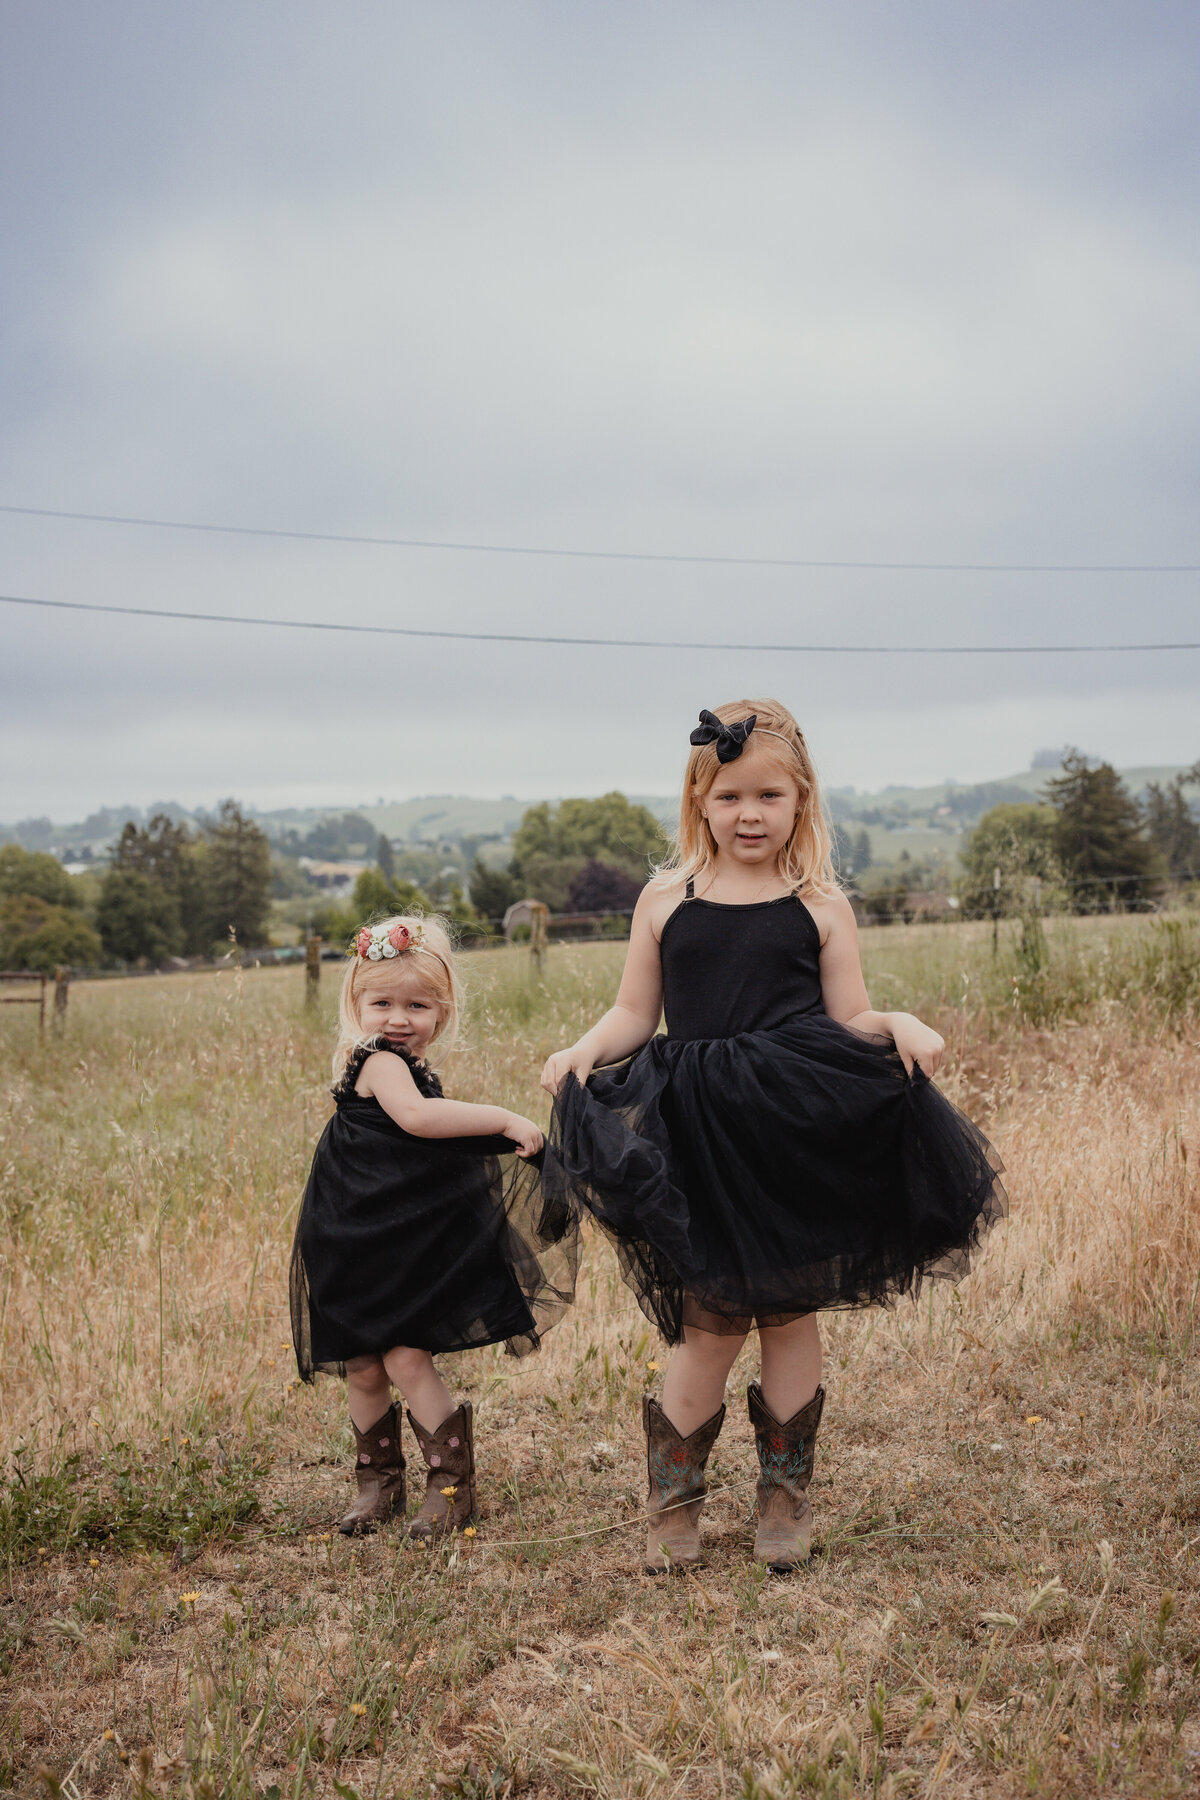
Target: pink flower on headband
[(380, 943)]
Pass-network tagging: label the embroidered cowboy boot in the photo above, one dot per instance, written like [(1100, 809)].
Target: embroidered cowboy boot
[(449, 1454), (675, 1466), (379, 1472), (785, 1466)]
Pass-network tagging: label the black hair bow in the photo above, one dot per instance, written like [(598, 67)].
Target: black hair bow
[(729, 739)]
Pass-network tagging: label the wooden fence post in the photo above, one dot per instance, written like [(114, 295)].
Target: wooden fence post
[(538, 922), (312, 971), (62, 985)]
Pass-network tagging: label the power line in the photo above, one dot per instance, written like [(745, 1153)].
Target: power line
[(592, 643), (645, 556)]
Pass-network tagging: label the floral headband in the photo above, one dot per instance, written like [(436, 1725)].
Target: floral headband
[(378, 943)]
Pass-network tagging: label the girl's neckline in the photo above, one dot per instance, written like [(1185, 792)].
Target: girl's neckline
[(742, 905)]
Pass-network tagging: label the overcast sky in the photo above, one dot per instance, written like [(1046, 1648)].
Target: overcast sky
[(856, 282)]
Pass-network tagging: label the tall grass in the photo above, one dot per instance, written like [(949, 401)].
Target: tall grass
[(980, 1444)]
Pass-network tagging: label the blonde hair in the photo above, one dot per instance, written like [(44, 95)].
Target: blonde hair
[(806, 860), (432, 957)]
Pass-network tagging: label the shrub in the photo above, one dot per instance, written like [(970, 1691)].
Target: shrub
[(36, 935)]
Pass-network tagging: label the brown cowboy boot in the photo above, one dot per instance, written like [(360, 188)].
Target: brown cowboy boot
[(379, 1472), (676, 1468), (785, 1466), (449, 1454)]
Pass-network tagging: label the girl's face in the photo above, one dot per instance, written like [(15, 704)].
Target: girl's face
[(396, 1003), (752, 806)]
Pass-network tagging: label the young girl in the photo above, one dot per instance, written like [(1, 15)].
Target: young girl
[(413, 1238), (781, 1150)]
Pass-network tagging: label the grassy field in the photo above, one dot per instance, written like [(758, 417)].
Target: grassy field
[(1004, 1598)]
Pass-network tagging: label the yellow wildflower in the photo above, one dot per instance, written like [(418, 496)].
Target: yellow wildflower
[(189, 1599), (1033, 1418), (93, 1562), (357, 1708), (469, 1531), (450, 1492)]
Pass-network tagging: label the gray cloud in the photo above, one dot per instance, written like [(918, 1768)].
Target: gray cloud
[(772, 280)]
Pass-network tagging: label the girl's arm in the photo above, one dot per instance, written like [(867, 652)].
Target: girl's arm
[(844, 992), (389, 1079), (633, 1017)]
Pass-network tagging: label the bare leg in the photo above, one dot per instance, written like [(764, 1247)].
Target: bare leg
[(426, 1394), (695, 1383), (370, 1392), (791, 1365)]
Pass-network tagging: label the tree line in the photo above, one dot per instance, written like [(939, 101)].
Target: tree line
[(168, 891), (1091, 845)]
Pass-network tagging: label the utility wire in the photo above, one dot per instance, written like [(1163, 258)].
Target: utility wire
[(645, 556), (592, 643)]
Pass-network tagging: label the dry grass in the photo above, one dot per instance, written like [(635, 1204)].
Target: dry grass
[(1008, 1486)]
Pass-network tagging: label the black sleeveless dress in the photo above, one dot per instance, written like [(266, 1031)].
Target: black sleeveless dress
[(432, 1243), (762, 1161)]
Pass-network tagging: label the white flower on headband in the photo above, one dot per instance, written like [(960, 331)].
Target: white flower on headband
[(379, 943)]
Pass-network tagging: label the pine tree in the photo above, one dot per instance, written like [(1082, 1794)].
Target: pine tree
[(1109, 861), (1173, 826), (239, 876)]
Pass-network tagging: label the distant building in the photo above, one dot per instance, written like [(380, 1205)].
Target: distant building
[(334, 877)]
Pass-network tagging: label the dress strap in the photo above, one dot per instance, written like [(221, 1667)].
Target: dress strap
[(689, 892)]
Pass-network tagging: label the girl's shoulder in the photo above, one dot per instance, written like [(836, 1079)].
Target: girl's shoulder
[(428, 1083), (831, 910), (660, 897)]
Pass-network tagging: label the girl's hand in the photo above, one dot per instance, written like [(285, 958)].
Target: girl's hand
[(917, 1043), (574, 1061), (524, 1133)]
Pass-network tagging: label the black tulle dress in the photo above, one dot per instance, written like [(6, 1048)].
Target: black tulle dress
[(432, 1243), (761, 1161)]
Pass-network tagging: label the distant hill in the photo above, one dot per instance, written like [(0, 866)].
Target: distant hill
[(946, 809), (976, 797)]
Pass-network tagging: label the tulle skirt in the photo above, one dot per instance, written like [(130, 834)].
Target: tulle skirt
[(434, 1244), (759, 1177)]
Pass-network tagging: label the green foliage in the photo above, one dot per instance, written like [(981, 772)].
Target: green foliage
[(458, 909), (138, 918), (493, 891), (1108, 859), (550, 878), (1057, 975), (385, 856), (158, 851), (335, 924), (126, 1501), (375, 896), (35, 873), (239, 876), (610, 829), (1019, 840), (37, 935), (177, 864), (1173, 827), (336, 838)]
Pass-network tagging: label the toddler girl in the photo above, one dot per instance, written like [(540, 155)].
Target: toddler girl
[(413, 1237), (782, 1149)]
